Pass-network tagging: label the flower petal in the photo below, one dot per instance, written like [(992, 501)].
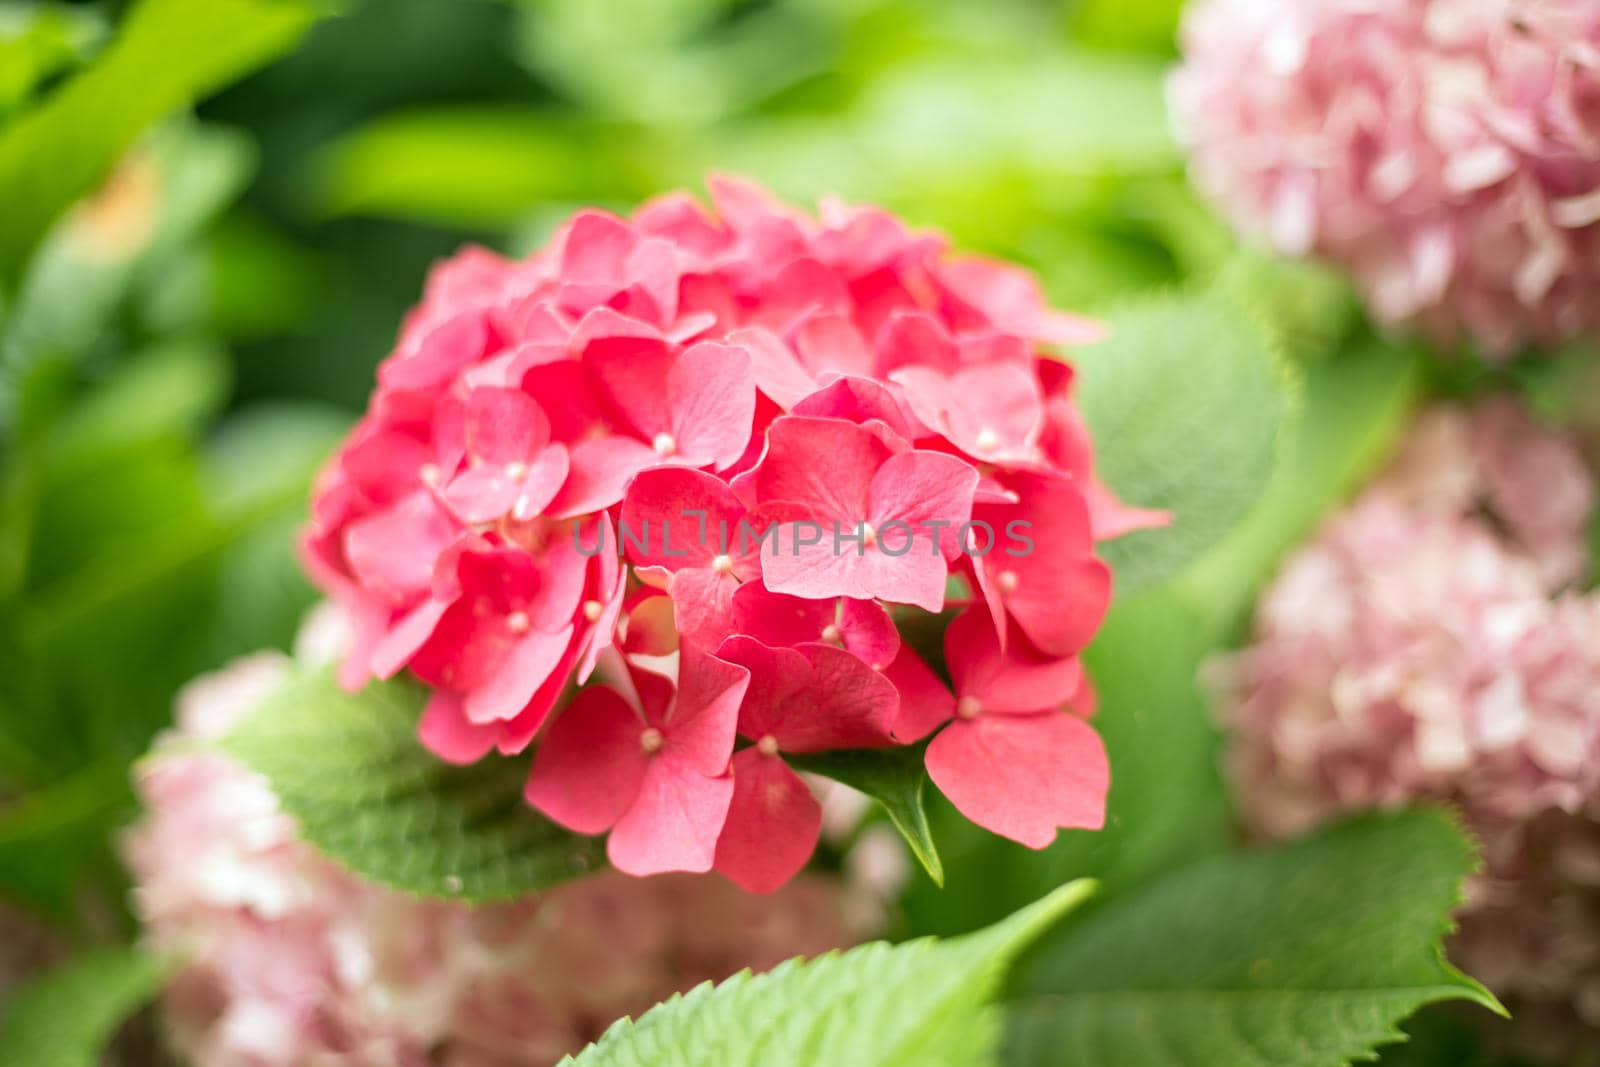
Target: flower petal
[(772, 825), (1022, 776), (445, 730), (674, 821), (591, 764)]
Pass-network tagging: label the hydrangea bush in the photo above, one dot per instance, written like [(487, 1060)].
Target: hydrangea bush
[(1435, 643)]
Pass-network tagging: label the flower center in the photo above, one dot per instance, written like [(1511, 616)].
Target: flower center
[(429, 473), (968, 707), (869, 536), (830, 633), (722, 564), (651, 740), (767, 746), (592, 610), (1008, 581), (518, 622), (987, 440), (664, 444), (516, 471)]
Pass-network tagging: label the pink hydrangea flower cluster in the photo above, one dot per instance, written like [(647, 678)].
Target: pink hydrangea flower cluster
[(1447, 152), (1432, 644), (717, 461), (285, 960)]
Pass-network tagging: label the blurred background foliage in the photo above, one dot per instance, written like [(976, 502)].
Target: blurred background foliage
[(213, 214)]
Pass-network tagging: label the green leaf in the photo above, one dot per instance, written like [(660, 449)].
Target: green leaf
[(895, 778), (1307, 955), (1185, 399), (349, 768), (167, 53), (1352, 408), (65, 1017), (879, 1004)]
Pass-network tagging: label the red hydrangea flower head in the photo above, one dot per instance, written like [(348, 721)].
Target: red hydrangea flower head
[(705, 465)]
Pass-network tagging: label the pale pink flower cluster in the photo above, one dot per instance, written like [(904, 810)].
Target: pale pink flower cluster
[(290, 961), (1431, 644), (1447, 152)]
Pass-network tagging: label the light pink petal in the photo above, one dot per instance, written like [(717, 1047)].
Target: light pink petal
[(673, 823), (595, 246), (869, 632), (1018, 679), (862, 400), (631, 373), (924, 487), (504, 426), (518, 733), (439, 356), (772, 826), (825, 464), (777, 619), (851, 705), (711, 400), (1043, 571), (918, 576), (591, 763), (925, 703), (680, 508), (831, 342), (1023, 776), (393, 552), (395, 649), (806, 561), (991, 413), (701, 724), (1111, 518), (702, 601), (776, 369), (526, 666), (916, 339), (601, 468), (481, 494), (445, 730)]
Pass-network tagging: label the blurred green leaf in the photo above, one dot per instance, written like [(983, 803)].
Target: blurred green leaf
[(1133, 25), (260, 282), (1306, 955), (167, 53), (169, 391), (54, 837), (265, 456), (470, 166), (1185, 399), (350, 770), (66, 1016), (1311, 305), (895, 778), (879, 1004), (674, 60), (36, 43), (1352, 408)]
